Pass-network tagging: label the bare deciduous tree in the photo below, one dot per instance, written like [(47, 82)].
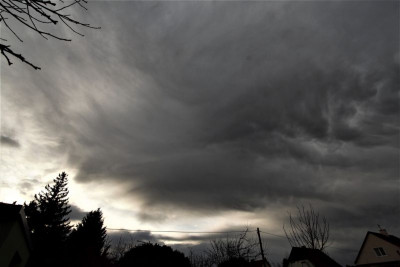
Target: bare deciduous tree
[(308, 229), (198, 259), (241, 246), (38, 16), (121, 247)]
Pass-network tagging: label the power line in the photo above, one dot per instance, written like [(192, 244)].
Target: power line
[(282, 236), (176, 231), (208, 232)]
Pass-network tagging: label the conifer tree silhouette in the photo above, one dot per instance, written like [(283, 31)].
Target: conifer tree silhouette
[(88, 242), (47, 217), (91, 232)]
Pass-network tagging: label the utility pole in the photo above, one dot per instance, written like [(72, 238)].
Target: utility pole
[(261, 248)]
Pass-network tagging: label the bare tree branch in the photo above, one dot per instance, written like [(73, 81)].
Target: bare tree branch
[(240, 246), (37, 15), (308, 229), (5, 51)]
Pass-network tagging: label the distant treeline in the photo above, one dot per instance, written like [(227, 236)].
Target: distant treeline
[(57, 243)]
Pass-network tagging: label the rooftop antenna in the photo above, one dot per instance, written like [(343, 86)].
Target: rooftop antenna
[(382, 230)]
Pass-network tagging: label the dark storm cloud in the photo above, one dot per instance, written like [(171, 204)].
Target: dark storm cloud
[(231, 106), (200, 110), (8, 141)]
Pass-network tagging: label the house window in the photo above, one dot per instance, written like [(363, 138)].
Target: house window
[(379, 252)]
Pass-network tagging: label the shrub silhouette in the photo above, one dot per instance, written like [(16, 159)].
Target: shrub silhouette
[(234, 262), (153, 255)]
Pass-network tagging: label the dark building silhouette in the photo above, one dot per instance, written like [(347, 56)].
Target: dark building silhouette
[(15, 242), (302, 256)]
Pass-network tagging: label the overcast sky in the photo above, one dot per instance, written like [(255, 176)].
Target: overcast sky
[(207, 116)]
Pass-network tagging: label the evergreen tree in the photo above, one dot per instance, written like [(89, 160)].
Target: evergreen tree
[(48, 220), (91, 232), (87, 244)]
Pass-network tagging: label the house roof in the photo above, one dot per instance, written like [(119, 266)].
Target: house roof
[(315, 256), (381, 264), (10, 213), (388, 238)]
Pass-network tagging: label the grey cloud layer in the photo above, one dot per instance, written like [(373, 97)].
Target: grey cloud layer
[(230, 105), (230, 112)]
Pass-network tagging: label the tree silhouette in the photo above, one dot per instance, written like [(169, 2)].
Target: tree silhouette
[(88, 242), (231, 249), (308, 229), (47, 217), (153, 255), (234, 262), (38, 16)]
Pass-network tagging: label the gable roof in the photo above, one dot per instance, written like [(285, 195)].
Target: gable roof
[(388, 238), (315, 256), (10, 213)]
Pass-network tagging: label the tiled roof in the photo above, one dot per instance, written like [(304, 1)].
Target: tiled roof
[(10, 213)]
